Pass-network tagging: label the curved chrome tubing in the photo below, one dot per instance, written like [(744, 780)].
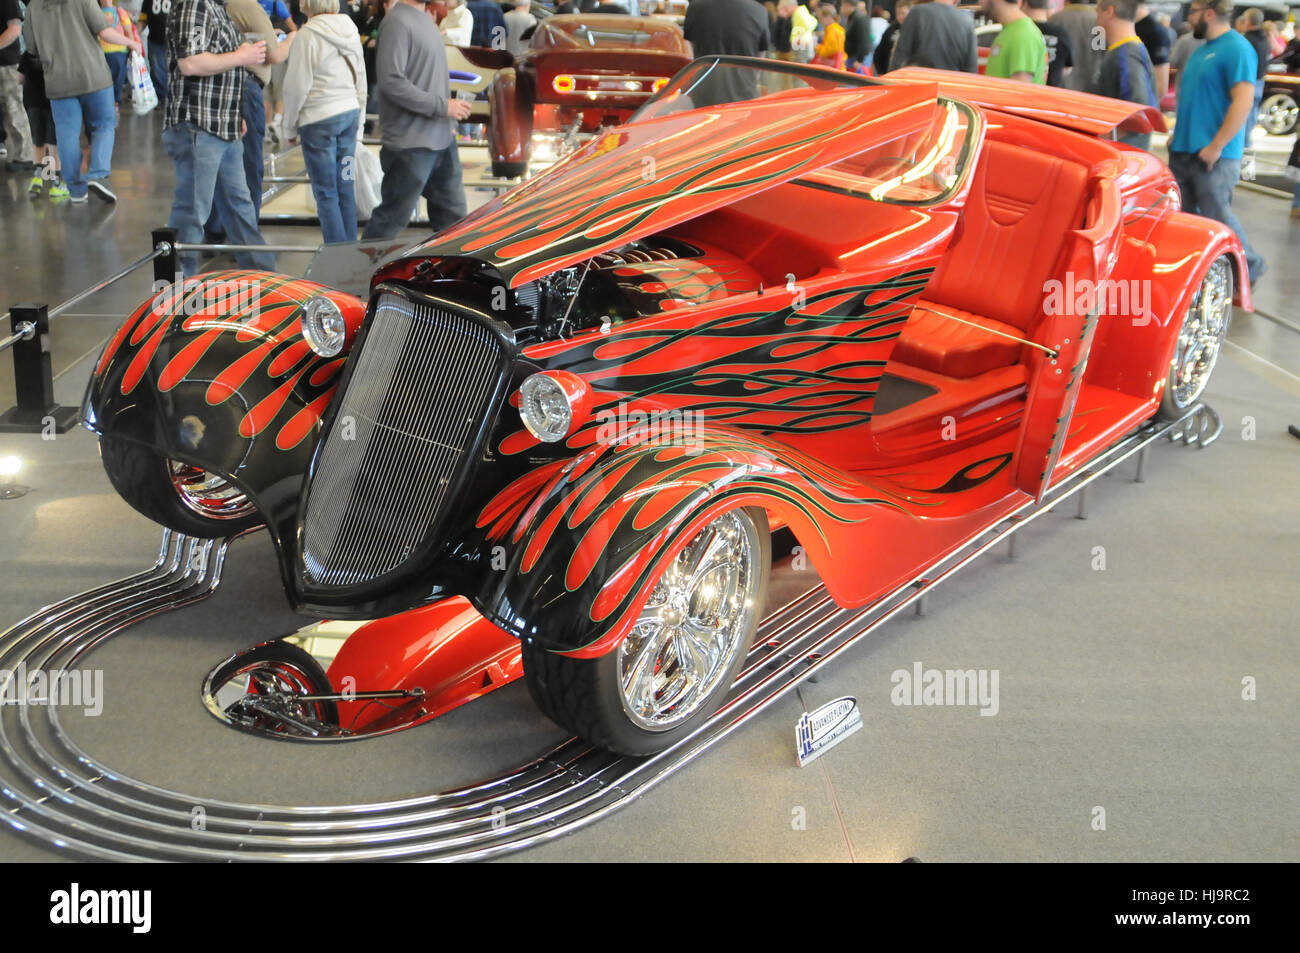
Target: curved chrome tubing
[(59, 794)]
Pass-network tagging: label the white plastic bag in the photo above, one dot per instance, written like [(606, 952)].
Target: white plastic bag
[(143, 96), (369, 180)]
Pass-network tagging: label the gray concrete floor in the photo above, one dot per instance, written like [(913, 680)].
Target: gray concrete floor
[(1119, 688)]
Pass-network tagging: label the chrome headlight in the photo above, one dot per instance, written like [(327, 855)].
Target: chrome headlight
[(323, 327), (545, 408)]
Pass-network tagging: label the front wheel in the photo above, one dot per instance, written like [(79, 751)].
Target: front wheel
[(257, 690), (181, 497), (1199, 341), (674, 669)]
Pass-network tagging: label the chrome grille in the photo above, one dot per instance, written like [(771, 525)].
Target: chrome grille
[(417, 396)]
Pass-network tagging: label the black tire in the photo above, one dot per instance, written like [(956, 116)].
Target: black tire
[(286, 658), (141, 477), (1172, 404), (508, 170), (582, 695)]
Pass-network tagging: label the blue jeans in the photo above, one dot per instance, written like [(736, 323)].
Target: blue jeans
[(158, 69), (1208, 192), (101, 119), (329, 152), (208, 170), (410, 173), (117, 69), (253, 112)]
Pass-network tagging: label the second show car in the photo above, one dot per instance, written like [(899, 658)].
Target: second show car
[(581, 73), (881, 316)]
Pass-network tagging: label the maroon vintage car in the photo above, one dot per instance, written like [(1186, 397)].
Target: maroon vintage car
[(581, 73)]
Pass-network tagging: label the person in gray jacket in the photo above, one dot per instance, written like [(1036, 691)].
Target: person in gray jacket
[(417, 119), (937, 35)]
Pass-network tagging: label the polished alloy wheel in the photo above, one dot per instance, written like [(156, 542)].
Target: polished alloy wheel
[(207, 494), (1202, 335), (271, 679), (1278, 114), (693, 624)]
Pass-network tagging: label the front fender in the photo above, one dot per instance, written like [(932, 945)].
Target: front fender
[(579, 541), (216, 374)]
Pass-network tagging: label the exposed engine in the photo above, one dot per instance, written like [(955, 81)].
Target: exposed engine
[(642, 278)]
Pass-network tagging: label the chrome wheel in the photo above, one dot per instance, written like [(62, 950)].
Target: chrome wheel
[(261, 693), (1201, 336), (1278, 114), (207, 494), (698, 617)]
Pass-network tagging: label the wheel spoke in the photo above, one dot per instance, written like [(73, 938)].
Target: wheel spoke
[(641, 671)]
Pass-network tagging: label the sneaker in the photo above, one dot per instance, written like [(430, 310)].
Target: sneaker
[(59, 191), (4, 153), (102, 191), (36, 186), (78, 199)]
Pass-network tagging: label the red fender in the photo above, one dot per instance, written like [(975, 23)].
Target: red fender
[(446, 648)]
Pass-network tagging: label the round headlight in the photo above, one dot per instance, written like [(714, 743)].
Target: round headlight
[(545, 408), (323, 327)]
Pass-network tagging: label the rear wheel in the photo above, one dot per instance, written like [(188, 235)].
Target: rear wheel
[(1278, 114), (182, 497), (676, 666), (1199, 341)]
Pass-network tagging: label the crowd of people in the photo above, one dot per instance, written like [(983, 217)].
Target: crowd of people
[(231, 75)]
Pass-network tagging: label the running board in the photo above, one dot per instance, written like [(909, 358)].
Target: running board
[(59, 794)]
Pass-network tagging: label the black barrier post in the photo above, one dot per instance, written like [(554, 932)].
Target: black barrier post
[(34, 379), (166, 268)]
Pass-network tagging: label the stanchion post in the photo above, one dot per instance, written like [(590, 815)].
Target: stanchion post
[(166, 268), (34, 378)]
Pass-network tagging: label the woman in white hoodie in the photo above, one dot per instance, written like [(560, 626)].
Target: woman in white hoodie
[(324, 89)]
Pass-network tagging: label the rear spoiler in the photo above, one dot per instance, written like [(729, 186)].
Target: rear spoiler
[(1066, 108)]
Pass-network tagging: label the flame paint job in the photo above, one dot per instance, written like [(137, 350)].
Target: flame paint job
[(731, 386)]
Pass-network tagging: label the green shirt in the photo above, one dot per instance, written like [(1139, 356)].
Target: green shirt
[(1019, 48)]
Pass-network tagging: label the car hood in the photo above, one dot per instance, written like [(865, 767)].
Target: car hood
[(1067, 108), (647, 176)]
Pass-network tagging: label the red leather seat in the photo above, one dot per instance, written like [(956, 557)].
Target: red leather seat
[(1022, 204), (935, 343)]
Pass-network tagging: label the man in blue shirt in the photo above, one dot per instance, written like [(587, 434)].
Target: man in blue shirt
[(1215, 94)]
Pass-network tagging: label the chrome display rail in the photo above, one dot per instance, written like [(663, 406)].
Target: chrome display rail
[(57, 793)]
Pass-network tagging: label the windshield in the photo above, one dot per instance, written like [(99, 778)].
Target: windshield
[(917, 168), (714, 80)]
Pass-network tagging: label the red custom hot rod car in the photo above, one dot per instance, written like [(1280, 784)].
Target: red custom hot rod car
[(580, 73), (560, 433)]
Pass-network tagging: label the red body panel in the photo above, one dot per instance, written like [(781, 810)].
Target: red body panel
[(701, 159), (447, 648)]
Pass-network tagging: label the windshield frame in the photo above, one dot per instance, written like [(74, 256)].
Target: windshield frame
[(834, 79)]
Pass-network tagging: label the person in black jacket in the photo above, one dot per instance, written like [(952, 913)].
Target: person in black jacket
[(857, 34), (885, 48)]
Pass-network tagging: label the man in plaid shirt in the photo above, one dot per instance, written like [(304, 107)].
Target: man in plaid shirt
[(206, 55)]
